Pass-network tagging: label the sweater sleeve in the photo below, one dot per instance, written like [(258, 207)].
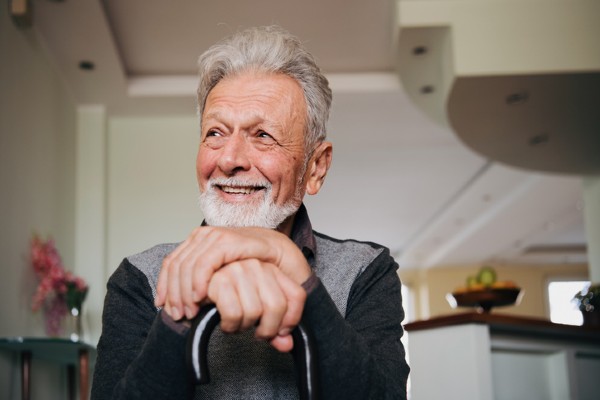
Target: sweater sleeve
[(139, 356), (361, 356)]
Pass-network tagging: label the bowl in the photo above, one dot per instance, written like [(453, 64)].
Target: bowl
[(485, 299)]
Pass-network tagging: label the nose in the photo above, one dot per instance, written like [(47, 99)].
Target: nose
[(234, 155)]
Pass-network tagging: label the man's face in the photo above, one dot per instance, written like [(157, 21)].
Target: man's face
[(251, 159)]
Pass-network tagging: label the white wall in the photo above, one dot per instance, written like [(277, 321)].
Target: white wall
[(37, 164), (151, 183)]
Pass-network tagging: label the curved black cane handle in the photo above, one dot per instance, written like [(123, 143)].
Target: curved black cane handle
[(304, 352)]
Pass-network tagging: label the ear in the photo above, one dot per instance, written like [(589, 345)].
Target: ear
[(317, 167)]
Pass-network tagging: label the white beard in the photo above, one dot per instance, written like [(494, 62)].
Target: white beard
[(267, 214)]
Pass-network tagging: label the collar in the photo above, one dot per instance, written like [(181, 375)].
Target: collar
[(302, 234)]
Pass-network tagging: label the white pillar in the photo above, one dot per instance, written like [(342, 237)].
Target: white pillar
[(591, 214), (90, 215)]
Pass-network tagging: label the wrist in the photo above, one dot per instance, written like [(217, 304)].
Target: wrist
[(311, 283), (180, 327)]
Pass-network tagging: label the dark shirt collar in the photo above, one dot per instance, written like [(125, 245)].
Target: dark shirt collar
[(302, 234)]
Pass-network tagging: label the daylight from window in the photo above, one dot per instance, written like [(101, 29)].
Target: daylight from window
[(562, 308)]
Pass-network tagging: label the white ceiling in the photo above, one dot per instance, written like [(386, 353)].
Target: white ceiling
[(397, 178)]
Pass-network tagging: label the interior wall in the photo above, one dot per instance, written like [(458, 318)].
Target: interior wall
[(430, 287), (151, 183), (37, 164)]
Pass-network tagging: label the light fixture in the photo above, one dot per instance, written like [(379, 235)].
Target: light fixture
[(86, 65), (517, 98), (539, 140), (427, 89), (419, 50)]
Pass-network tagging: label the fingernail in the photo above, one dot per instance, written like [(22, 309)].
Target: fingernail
[(188, 312), (175, 314), (284, 332), (196, 296)]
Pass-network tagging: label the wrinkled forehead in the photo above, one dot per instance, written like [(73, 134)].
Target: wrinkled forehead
[(257, 74), (253, 98)]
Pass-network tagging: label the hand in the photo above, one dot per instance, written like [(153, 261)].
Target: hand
[(186, 272), (250, 291)]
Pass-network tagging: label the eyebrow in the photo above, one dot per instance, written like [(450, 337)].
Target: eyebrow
[(256, 120)]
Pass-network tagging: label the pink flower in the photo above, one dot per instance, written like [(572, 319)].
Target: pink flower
[(57, 286), (44, 256)]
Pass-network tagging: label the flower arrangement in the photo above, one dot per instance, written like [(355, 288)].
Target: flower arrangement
[(588, 299), (59, 291)]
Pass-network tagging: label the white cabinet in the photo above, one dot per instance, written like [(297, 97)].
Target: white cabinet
[(497, 357)]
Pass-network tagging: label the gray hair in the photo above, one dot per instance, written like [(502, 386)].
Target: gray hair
[(273, 50)]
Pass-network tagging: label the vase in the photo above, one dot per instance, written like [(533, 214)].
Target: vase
[(73, 327), (55, 310)]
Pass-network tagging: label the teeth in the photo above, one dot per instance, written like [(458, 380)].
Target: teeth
[(238, 190)]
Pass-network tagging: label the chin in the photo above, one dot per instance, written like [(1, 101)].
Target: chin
[(265, 214)]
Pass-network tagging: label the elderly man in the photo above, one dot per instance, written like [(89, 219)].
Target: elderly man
[(263, 104)]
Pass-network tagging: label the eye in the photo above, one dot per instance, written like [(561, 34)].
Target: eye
[(264, 135), (213, 133), (264, 139), (213, 139)]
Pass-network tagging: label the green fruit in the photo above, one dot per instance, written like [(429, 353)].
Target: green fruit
[(486, 276)]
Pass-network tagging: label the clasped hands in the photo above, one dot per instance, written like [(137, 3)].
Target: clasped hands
[(252, 275)]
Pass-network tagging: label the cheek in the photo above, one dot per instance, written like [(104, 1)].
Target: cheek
[(205, 165), (283, 174)]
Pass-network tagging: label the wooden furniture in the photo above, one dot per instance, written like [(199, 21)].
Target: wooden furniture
[(487, 356), (72, 354)]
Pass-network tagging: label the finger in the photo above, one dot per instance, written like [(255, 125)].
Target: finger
[(161, 285), (190, 305), (207, 248), (201, 276), (235, 244), (296, 297), (283, 343), (194, 247), (173, 298), (170, 259), (245, 275), (274, 302), (225, 297)]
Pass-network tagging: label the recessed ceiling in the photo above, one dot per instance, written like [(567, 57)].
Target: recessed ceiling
[(156, 37)]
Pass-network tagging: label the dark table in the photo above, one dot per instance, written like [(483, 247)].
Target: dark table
[(72, 354)]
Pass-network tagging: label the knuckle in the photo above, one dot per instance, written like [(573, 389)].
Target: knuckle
[(227, 327), (235, 267), (254, 312), (276, 306), (231, 315)]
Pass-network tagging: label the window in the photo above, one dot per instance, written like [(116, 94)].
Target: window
[(560, 295)]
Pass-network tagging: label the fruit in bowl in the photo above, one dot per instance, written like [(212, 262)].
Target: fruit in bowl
[(486, 278), (484, 291)]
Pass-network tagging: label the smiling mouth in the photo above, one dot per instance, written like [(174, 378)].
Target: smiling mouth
[(240, 189)]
